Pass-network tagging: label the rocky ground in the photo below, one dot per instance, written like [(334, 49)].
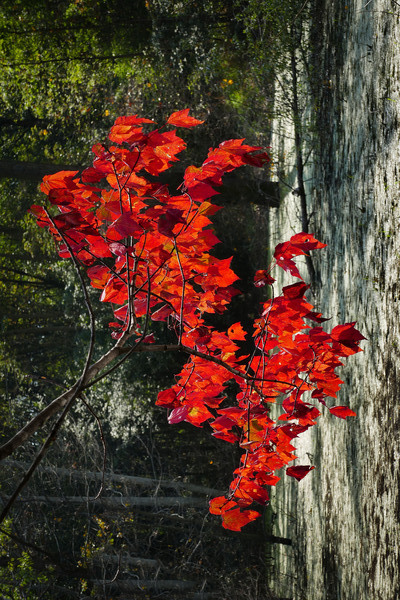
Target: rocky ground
[(343, 517)]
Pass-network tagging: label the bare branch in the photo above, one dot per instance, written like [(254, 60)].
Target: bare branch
[(56, 427), (89, 380), (146, 482), (59, 403), (103, 441)]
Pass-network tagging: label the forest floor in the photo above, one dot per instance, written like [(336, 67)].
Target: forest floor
[(343, 517)]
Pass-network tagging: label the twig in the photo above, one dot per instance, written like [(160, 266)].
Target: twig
[(39, 457), (77, 388), (183, 291), (103, 441), (299, 12)]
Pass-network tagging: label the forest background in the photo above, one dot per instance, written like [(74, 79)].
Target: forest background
[(68, 70)]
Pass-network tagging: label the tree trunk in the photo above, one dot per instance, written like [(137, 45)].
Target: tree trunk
[(298, 142), (145, 585), (122, 502), (128, 479)]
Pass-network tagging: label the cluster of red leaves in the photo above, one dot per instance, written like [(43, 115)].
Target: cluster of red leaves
[(290, 358), (149, 253), (147, 250)]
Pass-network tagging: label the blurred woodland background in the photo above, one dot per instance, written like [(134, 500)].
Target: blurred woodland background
[(68, 69)]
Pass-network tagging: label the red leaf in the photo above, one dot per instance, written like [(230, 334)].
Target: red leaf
[(178, 414), (220, 504), (268, 478), (347, 339), (162, 314), (121, 313), (202, 191), (238, 415), (123, 227), (306, 241), (297, 290), (148, 339), (342, 412), (91, 174), (201, 335), (181, 119), (292, 431), (62, 179), (117, 248), (299, 472), (297, 245), (222, 429), (250, 489), (99, 276), (236, 332), (262, 278), (160, 151), (226, 436), (61, 197), (131, 120), (98, 246), (198, 414), (167, 398), (235, 519), (115, 291), (346, 334), (289, 266), (168, 220), (40, 214)]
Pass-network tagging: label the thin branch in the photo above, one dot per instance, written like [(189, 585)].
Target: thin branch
[(39, 457), (85, 296), (117, 570), (23, 542), (43, 278), (90, 379), (136, 347), (50, 557), (232, 370), (103, 441), (60, 402), (183, 291), (181, 348), (70, 394), (56, 427), (298, 13)]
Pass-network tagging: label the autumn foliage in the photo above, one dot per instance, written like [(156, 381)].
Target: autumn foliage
[(148, 250)]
